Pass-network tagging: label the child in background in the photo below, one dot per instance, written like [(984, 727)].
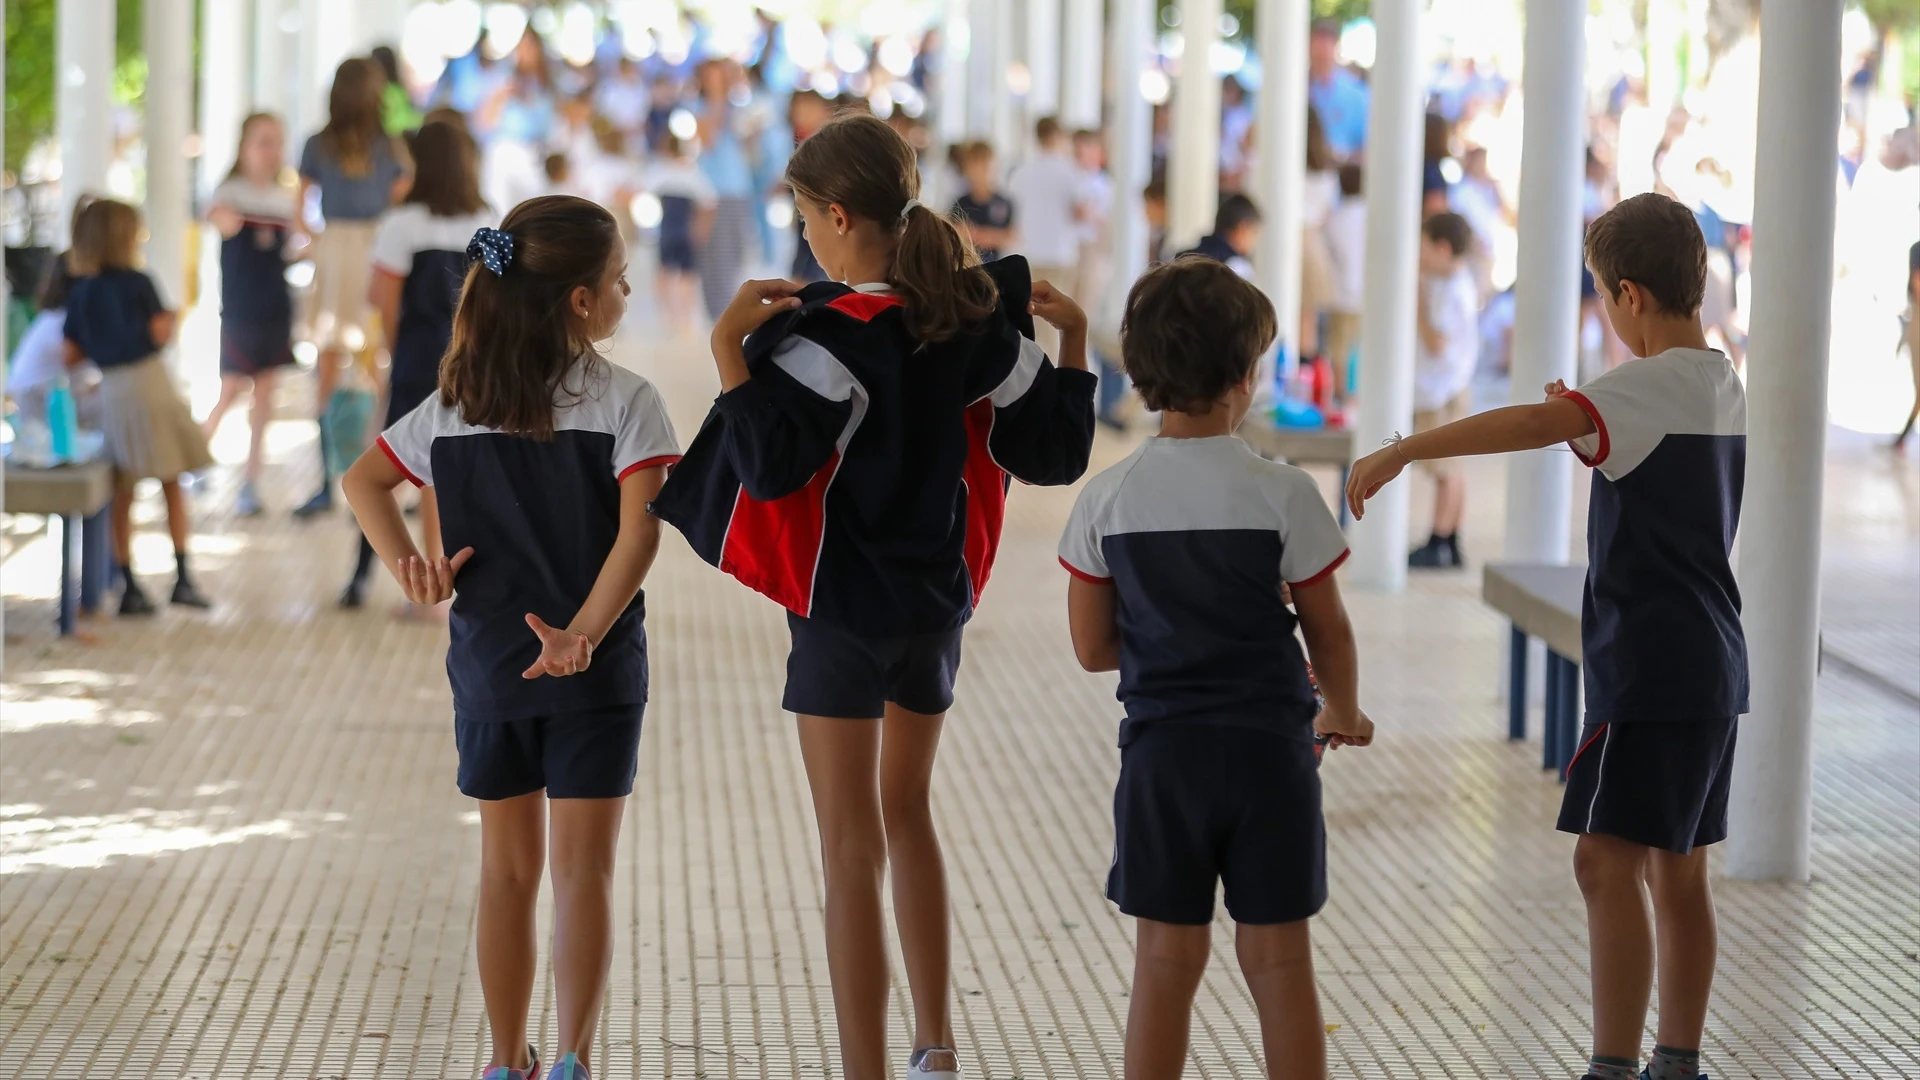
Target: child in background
[(116, 320), (1665, 655), (1446, 351), (254, 211), (558, 169), (609, 175), (986, 214), (1153, 203), (852, 471), (1236, 232), (41, 357), (1182, 559), (419, 263), (544, 458), (1045, 190), (360, 172), (1346, 232), (687, 202)]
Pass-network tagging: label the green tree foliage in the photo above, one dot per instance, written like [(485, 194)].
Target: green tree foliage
[(32, 65), (1344, 10)]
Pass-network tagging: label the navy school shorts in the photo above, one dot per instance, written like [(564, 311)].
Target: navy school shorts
[(1200, 804), (590, 754), (1659, 784), (834, 672), (248, 349)]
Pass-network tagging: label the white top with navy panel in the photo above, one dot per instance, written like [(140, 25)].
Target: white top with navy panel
[(1660, 626), (541, 518), (1197, 536), (429, 255)]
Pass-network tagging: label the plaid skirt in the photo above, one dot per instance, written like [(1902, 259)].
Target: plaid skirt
[(149, 428)]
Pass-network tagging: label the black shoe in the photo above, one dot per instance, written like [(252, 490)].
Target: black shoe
[(354, 595), (134, 602), (1433, 556), (1458, 558), (186, 595), (322, 502)]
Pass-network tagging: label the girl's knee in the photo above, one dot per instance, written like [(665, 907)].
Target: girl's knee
[(1604, 863), (1173, 944), (906, 804)]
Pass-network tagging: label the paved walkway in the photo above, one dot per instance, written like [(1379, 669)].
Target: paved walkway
[(232, 847)]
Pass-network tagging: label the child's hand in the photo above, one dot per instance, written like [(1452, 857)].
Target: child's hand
[(562, 652), (1057, 308), (225, 220), (1557, 388), (754, 304), (1369, 475), (1342, 730), (430, 581)]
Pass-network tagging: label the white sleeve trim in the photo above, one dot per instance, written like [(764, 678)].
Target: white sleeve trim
[(1026, 367)]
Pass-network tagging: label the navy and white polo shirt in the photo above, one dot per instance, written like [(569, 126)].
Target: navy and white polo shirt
[(1660, 625), (253, 261), (541, 518), (429, 255), (1197, 536)]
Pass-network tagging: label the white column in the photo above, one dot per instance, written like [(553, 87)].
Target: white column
[(1547, 312), (1129, 152), (1043, 60), (1005, 132), (1279, 185), (1387, 309), (226, 85), (1793, 220), (1193, 168), (983, 66), (274, 65), (379, 22), (950, 110), (169, 46), (85, 101), (1080, 82)]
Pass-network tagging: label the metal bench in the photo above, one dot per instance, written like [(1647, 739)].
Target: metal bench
[(1302, 446), (1543, 601), (78, 495)]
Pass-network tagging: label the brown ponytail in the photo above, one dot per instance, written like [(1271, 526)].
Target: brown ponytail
[(864, 166)]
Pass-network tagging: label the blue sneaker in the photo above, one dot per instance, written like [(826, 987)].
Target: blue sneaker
[(503, 1072), (247, 504), (568, 1068)]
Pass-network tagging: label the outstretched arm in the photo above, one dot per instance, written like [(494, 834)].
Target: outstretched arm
[(1499, 431)]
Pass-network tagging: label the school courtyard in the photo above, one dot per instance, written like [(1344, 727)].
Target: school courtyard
[(232, 845)]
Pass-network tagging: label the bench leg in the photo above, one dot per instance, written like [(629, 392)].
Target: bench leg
[(94, 563), (1517, 688), (69, 555), (1569, 714), (1550, 719)]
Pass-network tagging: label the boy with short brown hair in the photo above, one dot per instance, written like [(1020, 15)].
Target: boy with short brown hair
[(1663, 649)]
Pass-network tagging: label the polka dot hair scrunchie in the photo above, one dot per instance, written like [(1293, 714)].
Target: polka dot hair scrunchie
[(492, 247)]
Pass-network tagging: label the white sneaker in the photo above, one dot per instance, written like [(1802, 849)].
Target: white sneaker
[(934, 1063)]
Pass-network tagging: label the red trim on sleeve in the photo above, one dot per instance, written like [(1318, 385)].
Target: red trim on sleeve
[(1599, 425), (1083, 575), (669, 460), (381, 442), (1325, 572)]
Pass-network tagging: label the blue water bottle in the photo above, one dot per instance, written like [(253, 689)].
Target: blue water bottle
[(62, 421)]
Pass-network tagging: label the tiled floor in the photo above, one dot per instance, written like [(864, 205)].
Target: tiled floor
[(232, 847)]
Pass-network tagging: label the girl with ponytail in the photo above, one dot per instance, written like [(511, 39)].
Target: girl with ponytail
[(855, 470)]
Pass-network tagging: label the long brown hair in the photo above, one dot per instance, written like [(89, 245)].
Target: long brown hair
[(446, 171), (353, 116), (514, 341), (106, 236), (864, 166)]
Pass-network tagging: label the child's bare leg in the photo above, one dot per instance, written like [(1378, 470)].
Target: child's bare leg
[(1612, 876), (230, 388), (1449, 503), (259, 415), (843, 770), (1168, 960), (512, 852), (1277, 960), (1684, 922), (179, 517), (120, 523), (586, 833), (908, 743)]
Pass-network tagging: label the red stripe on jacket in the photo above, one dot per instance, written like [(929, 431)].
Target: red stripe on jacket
[(773, 547)]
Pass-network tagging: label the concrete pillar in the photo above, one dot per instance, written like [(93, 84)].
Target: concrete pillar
[(276, 64), (226, 85), (1793, 222), (1129, 152), (1005, 131), (950, 108), (1193, 168), (1080, 82), (85, 101), (983, 66), (1393, 254), (1043, 60), (1280, 28), (1547, 312), (169, 46)]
